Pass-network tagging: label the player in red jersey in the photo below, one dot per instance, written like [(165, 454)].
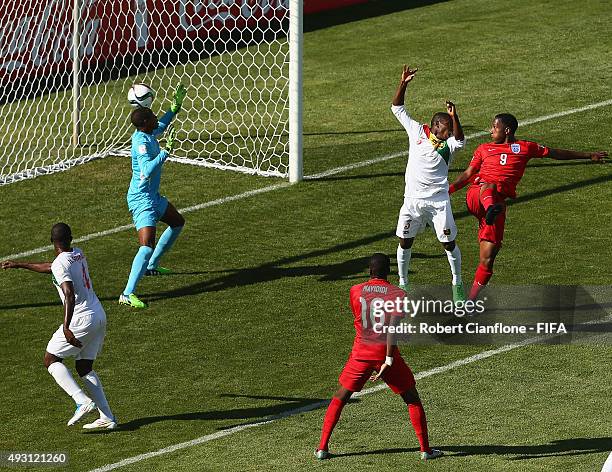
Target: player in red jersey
[(375, 355), (495, 171)]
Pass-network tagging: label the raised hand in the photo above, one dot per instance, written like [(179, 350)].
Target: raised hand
[(450, 107), (408, 74), (177, 100)]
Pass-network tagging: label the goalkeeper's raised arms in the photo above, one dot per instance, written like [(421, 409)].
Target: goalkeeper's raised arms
[(171, 140), (177, 100)]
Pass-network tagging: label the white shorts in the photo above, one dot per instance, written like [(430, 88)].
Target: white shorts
[(416, 213), (89, 329)]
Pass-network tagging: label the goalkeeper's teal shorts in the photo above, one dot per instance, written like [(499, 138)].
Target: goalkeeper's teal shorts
[(149, 215)]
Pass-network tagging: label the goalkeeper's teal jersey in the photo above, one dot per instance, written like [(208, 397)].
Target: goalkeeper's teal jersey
[(147, 161)]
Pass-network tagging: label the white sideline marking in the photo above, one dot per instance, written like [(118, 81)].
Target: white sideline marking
[(592, 106), (479, 134), (270, 188), (312, 406), (119, 229)]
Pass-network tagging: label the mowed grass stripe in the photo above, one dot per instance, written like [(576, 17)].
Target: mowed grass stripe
[(313, 406), (320, 175)]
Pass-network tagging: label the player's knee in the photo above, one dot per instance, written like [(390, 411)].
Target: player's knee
[(180, 221), (487, 258), (487, 261), (406, 243), (49, 359), (411, 396), (150, 243), (449, 246), (83, 367), (343, 394)]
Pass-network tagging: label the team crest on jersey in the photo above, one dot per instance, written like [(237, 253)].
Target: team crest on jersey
[(446, 231), (516, 148), (142, 149)]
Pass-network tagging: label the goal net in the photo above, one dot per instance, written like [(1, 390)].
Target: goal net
[(232, 55)]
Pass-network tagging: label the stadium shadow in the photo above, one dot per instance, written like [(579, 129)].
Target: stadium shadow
[(257, 414), (352, 269), (348, 269), (561, 447), (360, 12)]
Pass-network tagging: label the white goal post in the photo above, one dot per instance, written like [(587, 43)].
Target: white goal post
[(241, 61)]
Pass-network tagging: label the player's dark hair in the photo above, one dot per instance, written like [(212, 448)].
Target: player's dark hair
[(442, 116), (61, 234), (380, 265), (508, 121), (140, 116)]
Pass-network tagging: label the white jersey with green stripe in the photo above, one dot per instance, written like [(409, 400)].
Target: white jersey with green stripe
[(428, 164)]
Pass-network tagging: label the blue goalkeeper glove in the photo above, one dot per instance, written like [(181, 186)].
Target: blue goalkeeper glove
[(177, 100), (171, 140)]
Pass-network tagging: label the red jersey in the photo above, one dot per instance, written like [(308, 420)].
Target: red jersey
[(370, 345), (504, 164)]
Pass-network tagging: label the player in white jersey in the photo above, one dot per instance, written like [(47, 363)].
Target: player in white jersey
[(426, 199), (82, 333)]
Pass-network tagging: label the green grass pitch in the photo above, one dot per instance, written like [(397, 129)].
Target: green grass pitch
[(256, 320)]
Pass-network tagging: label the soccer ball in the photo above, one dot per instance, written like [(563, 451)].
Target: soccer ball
[(141, 96)]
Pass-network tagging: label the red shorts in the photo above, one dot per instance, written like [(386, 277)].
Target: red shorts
[(493, 233), (357, 372)]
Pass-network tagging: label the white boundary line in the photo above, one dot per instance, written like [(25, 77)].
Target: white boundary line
[(310, 407), (313, 406), (270, 188)]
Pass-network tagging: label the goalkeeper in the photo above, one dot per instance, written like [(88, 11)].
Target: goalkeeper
[(144, 201)]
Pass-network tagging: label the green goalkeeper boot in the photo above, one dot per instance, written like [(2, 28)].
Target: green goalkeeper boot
[(458, 293), (157, 271), (131, 300)]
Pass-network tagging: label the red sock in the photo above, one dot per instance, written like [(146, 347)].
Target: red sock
[(487, 197), (481, 278), (332, 415), (419, 423)]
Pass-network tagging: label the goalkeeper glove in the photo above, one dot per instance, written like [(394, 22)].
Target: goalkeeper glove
[(177, 100), (171, 140)]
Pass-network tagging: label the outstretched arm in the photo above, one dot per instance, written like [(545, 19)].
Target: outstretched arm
[(566, 154), (163, 123), (400, 93), (462, 179), (457, 129), (41, 267)]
